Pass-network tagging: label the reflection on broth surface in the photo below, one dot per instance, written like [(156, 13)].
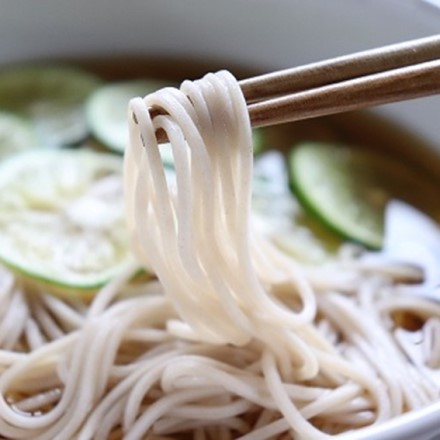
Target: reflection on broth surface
[(214, 327)]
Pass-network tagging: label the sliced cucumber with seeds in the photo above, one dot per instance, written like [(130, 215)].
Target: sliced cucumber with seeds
[(107, 110), (16, 134), (52, 97), (62, 218)]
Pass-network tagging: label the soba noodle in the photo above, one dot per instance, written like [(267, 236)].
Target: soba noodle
[(234, 339)]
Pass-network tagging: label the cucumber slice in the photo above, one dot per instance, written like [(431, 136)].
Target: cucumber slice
[(278, 215), (339, 187), (52, 96), (107, 110), (62, 218), (348, 189), (258, 140), (16, 134), (107, 115)]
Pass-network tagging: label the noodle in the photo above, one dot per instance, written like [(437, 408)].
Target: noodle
[(234, 339)]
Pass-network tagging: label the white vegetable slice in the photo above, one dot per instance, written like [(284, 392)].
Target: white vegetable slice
[(62, 217), (52, 97)]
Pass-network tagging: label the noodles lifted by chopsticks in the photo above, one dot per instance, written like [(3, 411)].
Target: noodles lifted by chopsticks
[(198, 229), (235, 339), (196, 233)]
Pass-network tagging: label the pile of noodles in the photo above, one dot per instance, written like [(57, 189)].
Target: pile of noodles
[(234, 339)]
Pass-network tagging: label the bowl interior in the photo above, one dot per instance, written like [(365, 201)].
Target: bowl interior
[(257, 35)]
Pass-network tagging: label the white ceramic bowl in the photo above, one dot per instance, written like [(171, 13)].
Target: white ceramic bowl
[(267, 34)]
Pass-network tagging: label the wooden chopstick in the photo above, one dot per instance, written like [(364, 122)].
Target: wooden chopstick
[(340, 69), (380, 76), (379, 88)]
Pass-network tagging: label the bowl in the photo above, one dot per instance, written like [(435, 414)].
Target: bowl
[(258, 35)]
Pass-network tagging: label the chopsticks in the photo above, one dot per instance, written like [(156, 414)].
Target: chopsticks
[(379, 76), (389, 74), (341, 68)]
